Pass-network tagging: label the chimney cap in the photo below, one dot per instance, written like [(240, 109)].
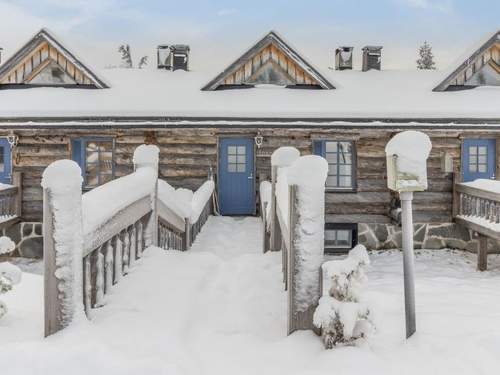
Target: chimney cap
[(372, 48)]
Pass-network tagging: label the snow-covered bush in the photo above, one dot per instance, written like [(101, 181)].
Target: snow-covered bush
[(341, 315), (9, 274)]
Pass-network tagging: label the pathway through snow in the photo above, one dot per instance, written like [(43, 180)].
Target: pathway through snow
[(220, 309)]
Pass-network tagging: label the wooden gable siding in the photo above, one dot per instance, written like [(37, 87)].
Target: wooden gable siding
[(271, 52), (186, 156), (34, 62)]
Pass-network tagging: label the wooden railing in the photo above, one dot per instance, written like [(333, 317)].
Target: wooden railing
[(81, 268), (479, 211), (11, 201)]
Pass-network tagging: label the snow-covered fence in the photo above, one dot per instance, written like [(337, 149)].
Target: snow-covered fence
[(297, 228), (479, 211), (265, 190), (91, 241), (10, 200)]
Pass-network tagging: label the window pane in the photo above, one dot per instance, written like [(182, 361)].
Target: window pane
[(472, 150), (344, 238), (472, 168), (482, 150), (241, 167), (344, 147), (105, 178), (231, 167), (482, 159), (331, 181), (472, 159), (231, 159), (482, 168), (345, 170), (241, 159), (231, 150), (241, 150), (2, 161), (331, 158), (332, 169), (330, 235), (345, 181), (331, 146)]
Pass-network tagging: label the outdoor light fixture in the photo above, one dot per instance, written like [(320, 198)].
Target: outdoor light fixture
[(258, 140), (12, 139)]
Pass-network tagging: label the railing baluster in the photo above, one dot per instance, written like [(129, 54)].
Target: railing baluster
[(87, 282), (133, 245), (99, 281), (126, 250), (140, 243), (118, 258), (109, 267)]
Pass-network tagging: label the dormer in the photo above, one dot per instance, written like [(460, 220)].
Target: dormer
[(271, 61), (45, 62), (480, 68)]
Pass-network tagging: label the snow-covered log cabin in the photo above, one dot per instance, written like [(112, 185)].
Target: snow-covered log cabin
[(54, 106)]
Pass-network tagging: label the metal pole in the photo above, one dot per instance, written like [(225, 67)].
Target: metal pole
[(408, 262)]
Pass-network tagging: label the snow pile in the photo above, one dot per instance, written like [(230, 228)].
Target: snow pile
[(282, 158), (341, 315), (308, 173), (411, 150), (146, 155), (9, 273), (6, 245), (485, 184), (63, 182), (200, 199), (102, 203), (265, 190)]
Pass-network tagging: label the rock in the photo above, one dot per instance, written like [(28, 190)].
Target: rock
[(397, 239), (453, 243), (381, 232), (369, 240), (27, 229), (433, 243), (493, 246), (362, 228), (32, 247), (449, 231), (419, 232), (14, 232), (472, 246), (38, 229)]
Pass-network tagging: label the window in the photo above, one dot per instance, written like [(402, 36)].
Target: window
[(236, 159), (478, 159), (340, 237), (341, 160), (96, 159)]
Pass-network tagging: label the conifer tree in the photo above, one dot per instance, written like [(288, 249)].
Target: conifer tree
[(426, 57)]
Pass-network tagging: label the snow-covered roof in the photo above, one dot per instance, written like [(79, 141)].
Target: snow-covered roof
[(150, 92)]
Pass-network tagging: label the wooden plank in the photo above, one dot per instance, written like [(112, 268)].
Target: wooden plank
[(482, 255), (478, 228)]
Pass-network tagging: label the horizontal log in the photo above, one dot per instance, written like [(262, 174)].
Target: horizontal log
[(363, 197), (358, 218)]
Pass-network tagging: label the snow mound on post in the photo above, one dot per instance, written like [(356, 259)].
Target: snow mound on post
[(308, 173), (410, 144), (6, 245), (284, 156), (200, 199), (146, 155), (179, 201), (63, 181), (10, 271)]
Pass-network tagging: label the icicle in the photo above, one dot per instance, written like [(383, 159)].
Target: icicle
[(118, 259), (109, 267), (99, 282)]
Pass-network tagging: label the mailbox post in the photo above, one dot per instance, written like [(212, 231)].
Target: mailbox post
[(407, 154)]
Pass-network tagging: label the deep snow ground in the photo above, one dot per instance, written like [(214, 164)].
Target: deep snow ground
[(220, 309)]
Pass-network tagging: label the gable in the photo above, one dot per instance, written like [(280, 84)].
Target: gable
[(44, 61), (481, 68), (270, 61)]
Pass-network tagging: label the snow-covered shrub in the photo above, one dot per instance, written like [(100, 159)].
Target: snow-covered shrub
[(341, 315), (9, 274)]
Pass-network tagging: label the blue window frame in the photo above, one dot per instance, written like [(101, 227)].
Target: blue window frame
[(341, 158), (96, 158), (5, 161)]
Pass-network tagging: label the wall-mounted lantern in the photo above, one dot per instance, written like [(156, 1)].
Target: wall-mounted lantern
[(259, 139), (12, 139)]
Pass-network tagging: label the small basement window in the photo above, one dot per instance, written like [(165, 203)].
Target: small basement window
[(96, 158), (340, 237)]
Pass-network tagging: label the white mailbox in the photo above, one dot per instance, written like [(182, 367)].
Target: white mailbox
[(407, 154)]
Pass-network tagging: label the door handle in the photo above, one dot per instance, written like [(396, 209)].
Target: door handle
[(251, 176)]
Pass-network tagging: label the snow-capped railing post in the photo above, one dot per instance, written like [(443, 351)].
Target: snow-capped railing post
[(281, 158), (306, 222), (147, 156), (62, 244)]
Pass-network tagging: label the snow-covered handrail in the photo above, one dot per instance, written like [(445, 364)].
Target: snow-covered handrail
[(104, 232), (479, 210), (10, 200), (265, 195)]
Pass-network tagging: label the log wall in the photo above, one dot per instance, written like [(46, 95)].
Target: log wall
[(186, 156)]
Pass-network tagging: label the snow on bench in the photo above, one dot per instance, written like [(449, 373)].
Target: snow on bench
[(91, 241)]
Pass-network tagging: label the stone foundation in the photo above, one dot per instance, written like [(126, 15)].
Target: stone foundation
[(426, 236), (27, 237)]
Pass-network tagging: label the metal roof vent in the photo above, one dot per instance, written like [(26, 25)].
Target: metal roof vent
[(372, 56), (343, 58), (173, 57)]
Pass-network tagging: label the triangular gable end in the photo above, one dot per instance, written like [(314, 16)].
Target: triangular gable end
[(270, 61), (481, 68), (44, 61)]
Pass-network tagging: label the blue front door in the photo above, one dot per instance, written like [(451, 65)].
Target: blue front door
[(5, 162), (236, 176), (478, 159)]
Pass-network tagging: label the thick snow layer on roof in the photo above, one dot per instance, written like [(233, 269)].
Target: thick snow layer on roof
[(151, 92)]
